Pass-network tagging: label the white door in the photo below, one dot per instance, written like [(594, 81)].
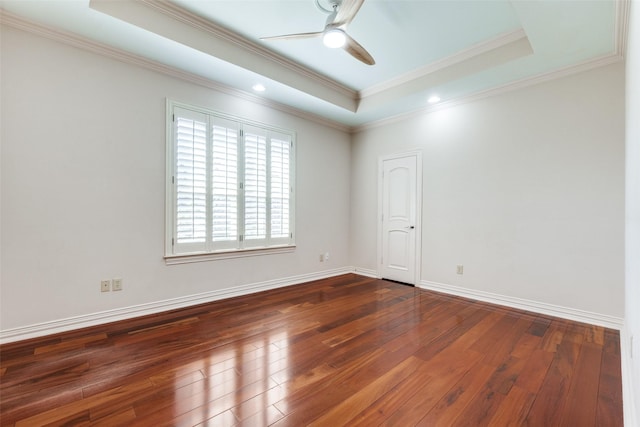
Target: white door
[(400, 206)]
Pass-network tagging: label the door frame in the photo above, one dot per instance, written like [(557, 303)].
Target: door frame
[(418, 230)]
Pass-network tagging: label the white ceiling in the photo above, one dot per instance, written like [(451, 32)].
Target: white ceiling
[(452, 48)]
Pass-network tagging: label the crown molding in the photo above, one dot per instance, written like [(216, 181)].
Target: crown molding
[(498, 90), (622, 8), (622, 26), (458, 57), (178, 13), (183, 27), (70, 39), (621, 29)]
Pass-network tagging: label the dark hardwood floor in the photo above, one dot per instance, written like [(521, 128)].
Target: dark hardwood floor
[(348, 350)]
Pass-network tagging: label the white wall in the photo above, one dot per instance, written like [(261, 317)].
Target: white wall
[(632, 296), (83, 179), (525, 189)]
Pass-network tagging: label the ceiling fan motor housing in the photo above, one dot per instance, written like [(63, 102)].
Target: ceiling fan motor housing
[(332, 5)]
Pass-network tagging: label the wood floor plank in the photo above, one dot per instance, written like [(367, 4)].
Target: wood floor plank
[(609, 411), (80, 408), (123, 417), (306, 404), (347, 350), (464, 321), (527, 344), (221, 420), (506, 345), (265, 417), (535, 370), (513, 409), (553, 336), (447, 409), (582, 397), (549, 405), (539, 326), (70, 344), (594, 334), (488, 400), (447, 368), (366, 396), (390, 402)]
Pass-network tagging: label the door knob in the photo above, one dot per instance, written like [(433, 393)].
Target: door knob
[(410, 227)]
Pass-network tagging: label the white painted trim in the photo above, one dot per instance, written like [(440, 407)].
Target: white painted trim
[(529, 305), (418, 226), (178, 13), (494, 91), (228, 254), (622, 26), (628, 394), (622, 6), (70, 39), (93, 319), (463, 55), (366, 272)]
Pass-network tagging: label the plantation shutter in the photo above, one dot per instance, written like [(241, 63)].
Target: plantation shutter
[(280, 189), (224, 183), (255, 186), (190, 180), (230, 185)]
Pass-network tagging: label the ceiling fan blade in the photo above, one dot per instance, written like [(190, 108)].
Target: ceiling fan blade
[(293, 36), (347, 11), (357, 51)]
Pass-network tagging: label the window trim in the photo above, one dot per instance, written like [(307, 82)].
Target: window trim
[(188, 258), (227, 253)]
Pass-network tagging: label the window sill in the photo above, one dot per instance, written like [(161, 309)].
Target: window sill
[(238, 253)]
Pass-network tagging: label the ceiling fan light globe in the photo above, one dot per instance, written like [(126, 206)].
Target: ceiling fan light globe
[(334, 38)]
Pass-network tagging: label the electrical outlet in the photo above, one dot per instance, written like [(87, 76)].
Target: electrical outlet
[(459, 269), (117, 284), (105, 285), (326, 256)]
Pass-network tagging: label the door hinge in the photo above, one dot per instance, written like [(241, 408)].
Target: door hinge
[(291, 235), (241, 185), (173, 179), (173, 242), (173, 117), (241, 238)]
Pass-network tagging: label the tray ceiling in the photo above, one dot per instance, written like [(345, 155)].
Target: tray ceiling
[(452, 49)]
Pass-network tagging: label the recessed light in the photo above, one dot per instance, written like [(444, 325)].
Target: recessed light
[(259, 87), (433, 99)]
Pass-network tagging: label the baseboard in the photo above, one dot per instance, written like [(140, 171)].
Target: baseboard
[(529, 305), (628, 392), (93, 319), (366, 272)]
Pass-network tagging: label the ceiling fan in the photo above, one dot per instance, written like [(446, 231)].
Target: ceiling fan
[(334, 34)]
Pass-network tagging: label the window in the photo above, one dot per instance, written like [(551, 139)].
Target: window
[(230, 184)]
